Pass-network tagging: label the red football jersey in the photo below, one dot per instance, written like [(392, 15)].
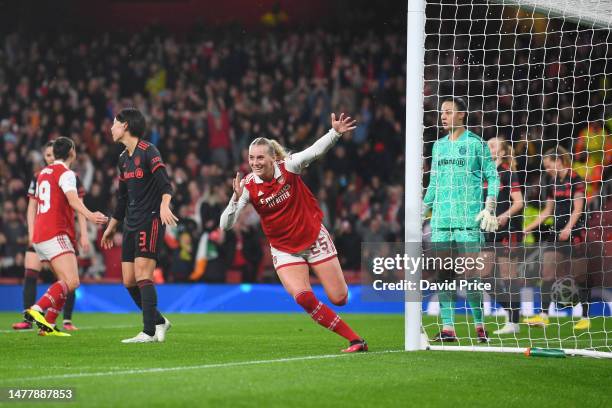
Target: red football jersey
[(290, 215), (54, 216)]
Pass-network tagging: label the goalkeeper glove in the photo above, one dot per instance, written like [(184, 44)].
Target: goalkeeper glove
[(487, 218), (424, 211)]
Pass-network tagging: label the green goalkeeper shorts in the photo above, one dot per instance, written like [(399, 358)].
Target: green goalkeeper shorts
[(458, 236)]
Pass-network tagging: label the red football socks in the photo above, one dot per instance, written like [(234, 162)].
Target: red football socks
[(51, 315), (54, 298), (323, 315)]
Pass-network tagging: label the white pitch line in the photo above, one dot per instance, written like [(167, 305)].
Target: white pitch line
[(184, 368)]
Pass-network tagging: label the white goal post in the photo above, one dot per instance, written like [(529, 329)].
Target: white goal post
[(571, 15)]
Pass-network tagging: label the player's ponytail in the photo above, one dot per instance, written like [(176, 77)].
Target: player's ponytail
[(274, 148), (279, 151)]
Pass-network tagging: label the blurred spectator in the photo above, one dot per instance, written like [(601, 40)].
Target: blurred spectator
[(348, 244), (13, 240), (249, 253)]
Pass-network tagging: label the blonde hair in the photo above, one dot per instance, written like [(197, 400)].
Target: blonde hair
[(559, 153), (506, 153), (274, 148)]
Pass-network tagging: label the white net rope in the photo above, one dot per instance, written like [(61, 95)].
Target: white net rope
[(537, 78)]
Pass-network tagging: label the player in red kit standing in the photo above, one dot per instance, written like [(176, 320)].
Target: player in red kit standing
[(33, 265), (292, 221), (54, 234)]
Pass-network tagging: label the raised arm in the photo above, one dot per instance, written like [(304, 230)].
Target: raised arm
[(240, 198), (296, 162)]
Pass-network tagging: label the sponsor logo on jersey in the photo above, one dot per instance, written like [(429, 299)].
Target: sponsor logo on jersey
[(282, 195), (46, 170), (451, 162), (138, 173)]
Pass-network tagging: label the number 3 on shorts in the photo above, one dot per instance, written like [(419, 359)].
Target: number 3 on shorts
[(142, 240)]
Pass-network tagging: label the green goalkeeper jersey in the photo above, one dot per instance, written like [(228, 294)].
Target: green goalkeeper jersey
[(459, 169)]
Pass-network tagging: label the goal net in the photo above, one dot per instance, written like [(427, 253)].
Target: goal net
[(532, 83)]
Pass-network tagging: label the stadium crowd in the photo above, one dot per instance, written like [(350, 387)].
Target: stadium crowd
[(206, 95)]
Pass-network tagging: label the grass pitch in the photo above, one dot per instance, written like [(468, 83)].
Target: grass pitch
[(286, 360)]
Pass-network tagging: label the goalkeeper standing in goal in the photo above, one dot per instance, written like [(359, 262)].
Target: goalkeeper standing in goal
[(461, 163)]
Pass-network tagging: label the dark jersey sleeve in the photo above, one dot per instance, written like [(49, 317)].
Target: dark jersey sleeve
[(158, 169), (515, 184), (122, 199), (154, 159), (32, 187), (550, 188), (578, 185)]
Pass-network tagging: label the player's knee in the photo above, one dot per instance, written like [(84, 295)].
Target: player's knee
[(340, 299), (129, 282), (307, 300), (142, 272), (73, 284)]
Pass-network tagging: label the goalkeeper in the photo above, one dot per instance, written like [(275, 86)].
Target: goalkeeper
[(461, 163)]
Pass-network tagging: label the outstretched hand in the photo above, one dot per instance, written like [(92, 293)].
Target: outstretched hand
[(166, 215), (342, 124), (238, 186)]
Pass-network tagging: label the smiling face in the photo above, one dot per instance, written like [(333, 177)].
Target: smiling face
[(261, 161), (450, 117)]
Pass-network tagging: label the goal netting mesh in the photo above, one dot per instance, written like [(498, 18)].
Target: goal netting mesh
[(537, 80)]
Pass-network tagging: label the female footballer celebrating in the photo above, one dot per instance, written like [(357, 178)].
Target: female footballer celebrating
[(291, 220)]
